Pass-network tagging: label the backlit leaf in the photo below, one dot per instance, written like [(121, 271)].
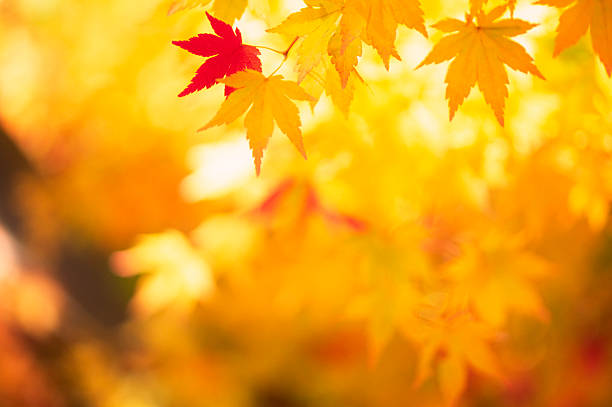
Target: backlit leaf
[(269, 100)]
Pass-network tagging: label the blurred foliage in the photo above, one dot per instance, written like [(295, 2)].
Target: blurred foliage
[(408, 261)]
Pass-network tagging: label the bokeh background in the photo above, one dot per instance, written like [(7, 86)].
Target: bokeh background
[(410, 261)]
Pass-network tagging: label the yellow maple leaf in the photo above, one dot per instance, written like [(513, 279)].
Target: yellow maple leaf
[(226, 10), (324, 78), (174, 273), (269, 100), (341, 93), (315, 25), (338, 27), (229, 10), (595, 15), (345, 46), (480, 48)]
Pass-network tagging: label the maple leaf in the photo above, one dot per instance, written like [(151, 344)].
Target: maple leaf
[(315, 25), (385, 308), (223, 9), (269, 100), (324, 78), (229, 10), (454, 342), (338, 28), (382, 19), (227, 54), (497, 281), (595, 15), (340, 92), (344, 46), (174, 274), (480, 49)]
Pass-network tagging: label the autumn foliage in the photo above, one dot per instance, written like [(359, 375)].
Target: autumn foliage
[(349, 203), (333, 33), (228, 56)]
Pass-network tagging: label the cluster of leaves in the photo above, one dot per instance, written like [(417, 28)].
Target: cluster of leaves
[(408, 249), (332, 33)]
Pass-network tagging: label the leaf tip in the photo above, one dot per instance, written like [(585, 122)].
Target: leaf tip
[(539, 74), (302, 151), (500, 120), (208, 125)]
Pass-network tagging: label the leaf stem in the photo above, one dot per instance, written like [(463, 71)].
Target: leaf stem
[(267, 48), (279, 66), (286, 53), (285, 56)]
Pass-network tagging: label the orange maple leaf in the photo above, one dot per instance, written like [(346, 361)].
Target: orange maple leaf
[(582, 15), (452, 343), (270, 101), (480, 48), (380, 20)]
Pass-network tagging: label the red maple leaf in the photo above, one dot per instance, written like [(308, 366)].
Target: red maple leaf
[(229, 55)]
